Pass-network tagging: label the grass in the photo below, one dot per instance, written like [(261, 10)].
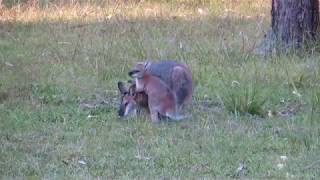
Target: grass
[(56, 59)]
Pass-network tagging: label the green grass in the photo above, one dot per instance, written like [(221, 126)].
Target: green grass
[(247, 109)]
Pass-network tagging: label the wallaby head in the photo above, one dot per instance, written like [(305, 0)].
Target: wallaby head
[(139, 70), (140, 74), (131, 101)]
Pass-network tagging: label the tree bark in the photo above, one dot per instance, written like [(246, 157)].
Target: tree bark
[(293, 23)]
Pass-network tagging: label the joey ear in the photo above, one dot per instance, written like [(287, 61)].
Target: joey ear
[(122, 88)]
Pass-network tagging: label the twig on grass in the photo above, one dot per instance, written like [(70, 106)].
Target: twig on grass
[(311, 165)]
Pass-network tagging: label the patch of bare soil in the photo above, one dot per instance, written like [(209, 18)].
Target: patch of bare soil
[(98, 100), (15, 93), (290, 109), (208, 105), (287, 109)]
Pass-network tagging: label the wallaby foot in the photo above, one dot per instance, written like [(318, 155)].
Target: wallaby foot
[(178, 117)]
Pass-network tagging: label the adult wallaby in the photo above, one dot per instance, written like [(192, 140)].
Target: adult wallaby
[(162, 100)]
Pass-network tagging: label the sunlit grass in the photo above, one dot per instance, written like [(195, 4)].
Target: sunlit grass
[(89, 12)]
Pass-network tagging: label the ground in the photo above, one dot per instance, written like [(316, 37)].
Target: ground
[(253, 116)]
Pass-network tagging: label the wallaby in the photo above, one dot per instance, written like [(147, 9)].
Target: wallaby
[(176, 75), (161, 98)]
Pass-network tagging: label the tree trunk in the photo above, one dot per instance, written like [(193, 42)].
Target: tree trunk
[(293, 23)]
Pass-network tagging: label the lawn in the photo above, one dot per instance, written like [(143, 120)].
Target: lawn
[(254, 116)]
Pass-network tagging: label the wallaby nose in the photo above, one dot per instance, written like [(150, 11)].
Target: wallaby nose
[(133, 72)]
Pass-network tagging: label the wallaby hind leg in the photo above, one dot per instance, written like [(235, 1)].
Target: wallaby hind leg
[(182, 85), (154, 117), (177, 84)]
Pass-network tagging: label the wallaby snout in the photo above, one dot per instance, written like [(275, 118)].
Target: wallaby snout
[(134, 73)]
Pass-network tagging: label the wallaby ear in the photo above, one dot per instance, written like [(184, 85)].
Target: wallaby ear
[(132, 90), (122, 88), (147, 65), (132, 87)]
